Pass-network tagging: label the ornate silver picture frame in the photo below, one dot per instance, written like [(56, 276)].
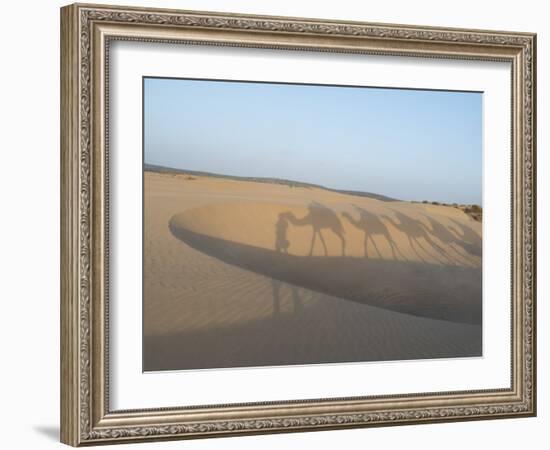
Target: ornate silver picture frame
[(87, 414)]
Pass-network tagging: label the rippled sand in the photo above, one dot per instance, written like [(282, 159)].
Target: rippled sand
[(240, 273)]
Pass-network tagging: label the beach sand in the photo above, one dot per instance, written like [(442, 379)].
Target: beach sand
[(240, 273)]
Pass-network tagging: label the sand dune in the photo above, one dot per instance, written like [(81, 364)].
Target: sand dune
[(239, 273), (375, 230)]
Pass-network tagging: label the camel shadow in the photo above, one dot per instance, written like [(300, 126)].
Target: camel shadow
[(416, 231), (471, 240), (423, 289), (319, 218), (471, 246), (371, 226)]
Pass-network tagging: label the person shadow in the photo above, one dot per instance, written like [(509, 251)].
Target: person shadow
[(281, 239), (281, 246)]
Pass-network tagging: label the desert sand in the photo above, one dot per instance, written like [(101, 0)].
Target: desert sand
[(242, 273)]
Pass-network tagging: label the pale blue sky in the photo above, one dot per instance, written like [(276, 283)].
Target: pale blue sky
[(407, 144)]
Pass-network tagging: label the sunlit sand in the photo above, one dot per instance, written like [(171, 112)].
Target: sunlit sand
[(241, 273)]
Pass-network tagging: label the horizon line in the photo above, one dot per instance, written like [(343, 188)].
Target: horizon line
[(263, 179)]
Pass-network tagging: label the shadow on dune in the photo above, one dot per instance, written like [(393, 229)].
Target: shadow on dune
[(371, 226), (449, 293), (299, 340), (471, 241), (447, 235), (319, 218)]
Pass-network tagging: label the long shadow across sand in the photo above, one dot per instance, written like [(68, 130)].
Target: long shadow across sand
[(422, 289), (319, 218), (471, 241), (371, 226)]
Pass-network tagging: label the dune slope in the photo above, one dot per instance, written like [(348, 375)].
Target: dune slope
[(238, 273)]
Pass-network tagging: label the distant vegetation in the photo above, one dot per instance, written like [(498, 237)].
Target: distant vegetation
[(290, 183), (474, 211)]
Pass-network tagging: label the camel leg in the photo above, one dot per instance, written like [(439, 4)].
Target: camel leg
[(463, 254), (437, 254), (365, 242), (438, 251), (375, 247), (400, 252), (323, 242), (393, 246), (343, 244), (414, 249), (457, 255), (312, 242)]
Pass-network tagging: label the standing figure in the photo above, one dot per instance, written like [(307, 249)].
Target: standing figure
[(281, 228)]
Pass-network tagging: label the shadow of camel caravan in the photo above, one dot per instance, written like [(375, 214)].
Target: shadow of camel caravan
[(420, 288)]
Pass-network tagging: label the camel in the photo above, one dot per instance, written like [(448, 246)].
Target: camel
[(319, 217), (467, 234), (472, 241), (414, 230), (446, 236), (371, 225)]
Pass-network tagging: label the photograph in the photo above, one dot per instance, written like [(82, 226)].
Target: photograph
[(295, 224)]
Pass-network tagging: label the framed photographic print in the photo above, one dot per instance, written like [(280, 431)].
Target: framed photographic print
[(276, 224)]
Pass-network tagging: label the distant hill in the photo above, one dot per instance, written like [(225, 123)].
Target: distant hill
[(291, 183)]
